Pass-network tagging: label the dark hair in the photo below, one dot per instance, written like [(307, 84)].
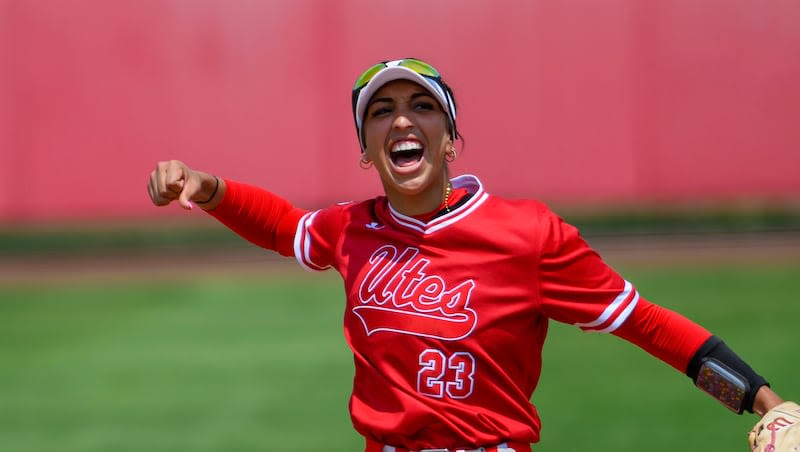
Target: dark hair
[(454, 134), (454, 130)]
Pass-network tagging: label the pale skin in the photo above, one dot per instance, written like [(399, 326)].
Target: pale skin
[(400, 112)]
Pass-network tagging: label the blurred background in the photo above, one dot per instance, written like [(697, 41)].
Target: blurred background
[(667, 130), (584, 102)]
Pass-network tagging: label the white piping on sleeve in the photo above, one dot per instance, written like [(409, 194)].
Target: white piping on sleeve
[(302, 243), (611, 310)]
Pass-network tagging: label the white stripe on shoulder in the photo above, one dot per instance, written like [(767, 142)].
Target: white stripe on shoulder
[(613, 310), (302, 243)]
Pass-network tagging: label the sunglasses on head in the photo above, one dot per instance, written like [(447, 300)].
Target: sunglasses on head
[(420, 67)]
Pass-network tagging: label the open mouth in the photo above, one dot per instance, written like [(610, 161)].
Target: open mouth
[(406, 153)]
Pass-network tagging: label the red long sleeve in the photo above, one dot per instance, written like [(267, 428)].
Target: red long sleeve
[(664, 334), (259, 216)]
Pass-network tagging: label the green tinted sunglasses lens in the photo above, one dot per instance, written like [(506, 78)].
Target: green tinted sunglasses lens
[(367, 75), (420, 67)]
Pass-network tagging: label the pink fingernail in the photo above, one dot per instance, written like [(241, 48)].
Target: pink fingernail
[(191, 206)]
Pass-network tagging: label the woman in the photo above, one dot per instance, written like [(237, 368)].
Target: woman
[(447, 300)]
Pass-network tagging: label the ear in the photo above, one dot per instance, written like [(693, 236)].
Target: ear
[(364, 162), (451, 153)]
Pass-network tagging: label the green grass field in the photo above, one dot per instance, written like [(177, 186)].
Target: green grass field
[(244, 363)]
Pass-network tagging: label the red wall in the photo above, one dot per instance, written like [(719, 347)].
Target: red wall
[(572, 102)]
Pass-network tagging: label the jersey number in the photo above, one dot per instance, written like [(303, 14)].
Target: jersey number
[(440, 374)]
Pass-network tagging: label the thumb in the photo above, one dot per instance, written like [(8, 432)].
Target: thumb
[(191, 187)]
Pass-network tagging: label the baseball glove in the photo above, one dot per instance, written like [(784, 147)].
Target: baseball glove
[(778, 430)]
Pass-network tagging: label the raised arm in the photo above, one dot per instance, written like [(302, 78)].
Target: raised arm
[(257, 215)]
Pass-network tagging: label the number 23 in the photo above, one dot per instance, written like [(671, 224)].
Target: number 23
[(434, 380)]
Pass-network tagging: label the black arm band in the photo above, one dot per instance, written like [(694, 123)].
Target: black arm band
[(717, 370)]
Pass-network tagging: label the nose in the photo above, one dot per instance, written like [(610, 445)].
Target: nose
[(402, 121)]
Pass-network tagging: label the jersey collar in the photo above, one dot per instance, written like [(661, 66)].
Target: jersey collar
[(466, 181)]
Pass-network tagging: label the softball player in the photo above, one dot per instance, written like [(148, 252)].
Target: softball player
[(450, 289)]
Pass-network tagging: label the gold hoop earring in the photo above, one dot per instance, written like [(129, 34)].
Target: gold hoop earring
[(364, 163), (451, 154)]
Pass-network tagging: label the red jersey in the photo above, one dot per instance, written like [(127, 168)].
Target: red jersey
[(447, 318)]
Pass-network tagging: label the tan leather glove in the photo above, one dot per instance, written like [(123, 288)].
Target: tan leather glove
[(778, 430)]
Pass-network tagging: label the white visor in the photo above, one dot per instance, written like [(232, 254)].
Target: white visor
[(394, 72)]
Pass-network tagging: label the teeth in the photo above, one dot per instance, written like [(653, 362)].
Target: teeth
[(406, 146)]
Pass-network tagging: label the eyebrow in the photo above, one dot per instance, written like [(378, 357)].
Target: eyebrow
[(389, 99)]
